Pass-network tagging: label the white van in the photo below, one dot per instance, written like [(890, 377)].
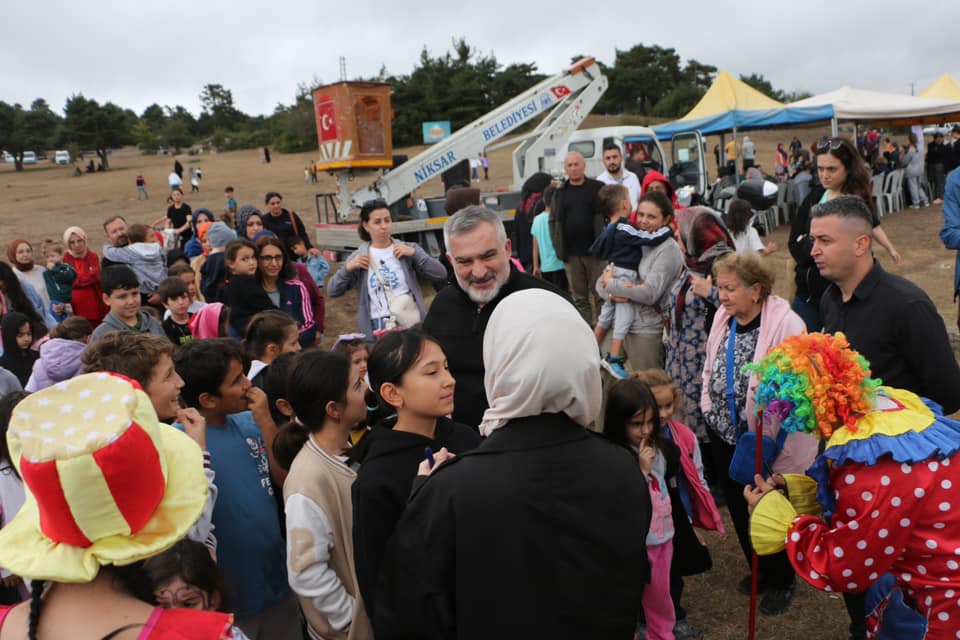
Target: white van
[(686, 164), (61, 157), (29, 157)]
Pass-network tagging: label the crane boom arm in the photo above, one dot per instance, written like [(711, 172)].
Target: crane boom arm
[(470, 141)]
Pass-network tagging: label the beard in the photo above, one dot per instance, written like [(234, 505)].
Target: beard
[(614, 168), (486, 295)]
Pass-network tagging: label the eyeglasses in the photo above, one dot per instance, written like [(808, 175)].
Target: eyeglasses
[(829, 144), (271, 258)]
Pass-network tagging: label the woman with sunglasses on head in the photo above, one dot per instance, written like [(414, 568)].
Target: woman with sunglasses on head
[(384, 269), (842, 172)]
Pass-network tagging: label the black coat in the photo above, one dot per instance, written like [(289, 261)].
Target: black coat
[(388, 464), (810, 284), (537, 533), (289, 227), (939, 153), (457, 324)]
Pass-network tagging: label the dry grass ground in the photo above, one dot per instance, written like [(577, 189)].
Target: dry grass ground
[(45, 199)]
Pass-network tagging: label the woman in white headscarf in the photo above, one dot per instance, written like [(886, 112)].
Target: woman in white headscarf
[(527, 535)]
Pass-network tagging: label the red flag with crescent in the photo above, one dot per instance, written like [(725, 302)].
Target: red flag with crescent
[(326, 120)]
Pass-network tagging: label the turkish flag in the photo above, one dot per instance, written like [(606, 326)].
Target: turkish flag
[(560, 90), (326, 120)]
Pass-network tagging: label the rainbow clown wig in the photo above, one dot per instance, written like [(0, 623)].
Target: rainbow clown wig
[(814, 383)]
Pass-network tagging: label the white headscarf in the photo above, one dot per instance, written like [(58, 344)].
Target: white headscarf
[(540, 357)]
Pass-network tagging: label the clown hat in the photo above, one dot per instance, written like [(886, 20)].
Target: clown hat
[(106, 482)]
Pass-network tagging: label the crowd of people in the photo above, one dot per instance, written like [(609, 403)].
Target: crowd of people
[(524, 447)]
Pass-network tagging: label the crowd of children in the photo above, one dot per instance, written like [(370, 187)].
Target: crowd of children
[(304, 496), (306, 457), (310, 455)]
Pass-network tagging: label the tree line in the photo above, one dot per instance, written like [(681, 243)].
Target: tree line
[(459, 85)]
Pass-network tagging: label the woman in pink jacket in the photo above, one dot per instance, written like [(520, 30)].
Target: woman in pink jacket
[(749, 323)]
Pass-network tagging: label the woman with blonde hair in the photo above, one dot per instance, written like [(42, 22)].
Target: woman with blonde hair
[(748, 323)]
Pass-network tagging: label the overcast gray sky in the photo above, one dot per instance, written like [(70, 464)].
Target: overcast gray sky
[(137, 53)]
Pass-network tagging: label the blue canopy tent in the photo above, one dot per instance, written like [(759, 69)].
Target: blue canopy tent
[(742, 120), (733, 105)]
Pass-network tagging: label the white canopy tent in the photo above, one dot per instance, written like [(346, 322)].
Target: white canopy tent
[(876, 107)]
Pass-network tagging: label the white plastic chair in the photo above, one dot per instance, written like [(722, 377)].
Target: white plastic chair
[(782, 211), (880, 198), (894, 189)]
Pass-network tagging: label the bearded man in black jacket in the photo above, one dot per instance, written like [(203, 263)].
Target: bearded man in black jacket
[(479, 251)]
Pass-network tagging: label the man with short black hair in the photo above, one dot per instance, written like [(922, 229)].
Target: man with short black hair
[(887, 318), (616, 173), (575, 222)]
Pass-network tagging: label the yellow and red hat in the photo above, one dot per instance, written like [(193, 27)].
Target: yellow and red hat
[(105, 481)]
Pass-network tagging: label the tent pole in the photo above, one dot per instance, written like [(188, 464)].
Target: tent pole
[(722, 156), (834, 131)]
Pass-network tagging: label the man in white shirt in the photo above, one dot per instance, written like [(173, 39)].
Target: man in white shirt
[(617, 174), (749, 152), (174, 180)]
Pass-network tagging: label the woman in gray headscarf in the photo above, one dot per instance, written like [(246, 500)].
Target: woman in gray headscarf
[(539, 531)]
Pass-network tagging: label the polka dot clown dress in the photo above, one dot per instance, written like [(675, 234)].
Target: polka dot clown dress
[(889, 490)]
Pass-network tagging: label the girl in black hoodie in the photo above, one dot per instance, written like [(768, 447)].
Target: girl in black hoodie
[(17, 334), (410, 378)]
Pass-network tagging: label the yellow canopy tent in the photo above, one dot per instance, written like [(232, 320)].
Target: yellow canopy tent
[(731, 105), (727, 93), (946, 87)]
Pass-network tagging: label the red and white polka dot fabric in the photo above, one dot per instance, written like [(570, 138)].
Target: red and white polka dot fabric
[(893, 517)]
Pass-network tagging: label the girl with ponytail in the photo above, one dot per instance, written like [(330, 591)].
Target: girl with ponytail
[(412, 385), (326, 394)]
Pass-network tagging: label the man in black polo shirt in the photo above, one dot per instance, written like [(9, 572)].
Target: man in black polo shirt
[(575, 222), (888, 319)]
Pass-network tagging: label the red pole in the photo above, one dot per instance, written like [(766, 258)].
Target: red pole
[(754, 560)]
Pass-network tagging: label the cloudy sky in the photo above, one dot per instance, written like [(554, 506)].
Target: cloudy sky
[(137, 53)]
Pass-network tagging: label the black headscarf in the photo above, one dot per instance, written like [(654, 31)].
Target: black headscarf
[(17, 361)]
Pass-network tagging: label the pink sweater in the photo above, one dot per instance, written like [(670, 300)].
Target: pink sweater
[(777, 321)]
